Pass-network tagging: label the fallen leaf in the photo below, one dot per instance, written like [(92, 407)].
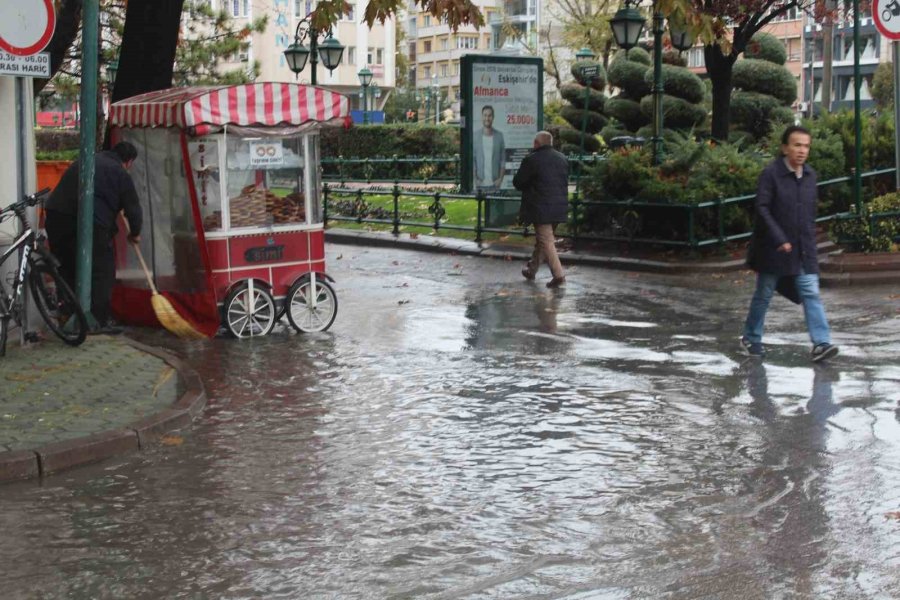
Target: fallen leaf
[(895, 515), (172, 440), (503, 238), (403, 302), (414, 236), (457, 266), (339, 257), (396, 263), (507, 257)]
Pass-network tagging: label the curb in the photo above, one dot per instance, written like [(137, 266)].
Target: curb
[(52, 458), (433, 244)]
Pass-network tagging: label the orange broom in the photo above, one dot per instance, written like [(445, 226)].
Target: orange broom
[(165, 312)]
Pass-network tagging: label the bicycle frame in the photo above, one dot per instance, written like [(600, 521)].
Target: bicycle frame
[(25, 242)]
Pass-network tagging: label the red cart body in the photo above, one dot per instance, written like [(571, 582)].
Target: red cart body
[(230, 187)]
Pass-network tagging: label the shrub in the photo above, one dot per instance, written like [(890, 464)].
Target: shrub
[(765, 46), (883, 233), (679, 82), (628, 76), (626, 111), (551, 113), (883, 86), (754, 75), (370, 141), (677, 113), (572, 137), (636, 54), (598, 82), (54, 140), (752, 112), (574, 94), (613, 130), (575, 117)]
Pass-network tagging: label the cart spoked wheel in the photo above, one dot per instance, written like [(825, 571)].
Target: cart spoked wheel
[(311, 309), (249, 311)]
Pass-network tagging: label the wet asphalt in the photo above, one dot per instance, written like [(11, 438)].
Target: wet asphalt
[(463, 433)]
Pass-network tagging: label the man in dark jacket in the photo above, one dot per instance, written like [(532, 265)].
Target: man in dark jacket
[(113, 191), (543, 179), (784, 244)]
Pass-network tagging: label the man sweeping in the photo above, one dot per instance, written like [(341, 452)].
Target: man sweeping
[(114, 191)]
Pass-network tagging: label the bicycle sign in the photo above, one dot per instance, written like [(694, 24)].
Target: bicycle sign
[(886, 14)]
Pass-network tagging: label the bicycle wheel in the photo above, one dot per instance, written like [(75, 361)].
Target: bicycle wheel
[(57, 304)]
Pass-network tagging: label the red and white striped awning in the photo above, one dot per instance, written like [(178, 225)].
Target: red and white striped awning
[(259, 104)]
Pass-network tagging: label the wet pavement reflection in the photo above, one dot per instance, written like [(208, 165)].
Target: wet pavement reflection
[(461, 433)]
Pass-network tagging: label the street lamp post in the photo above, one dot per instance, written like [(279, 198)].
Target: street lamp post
[(330, 51), (436, 90), (627, 26), (365, 78), (587, 74)]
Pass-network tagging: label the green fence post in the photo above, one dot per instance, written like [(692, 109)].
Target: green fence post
[(721, 219), (360, 206), (576, 207), (425, 162), (456, 161), (367, 169), (396, 167), (396, 208), (325, 192), (341, 178), (692, 239), (479, 200)]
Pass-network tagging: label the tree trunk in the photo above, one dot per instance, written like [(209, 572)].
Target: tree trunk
[(719, 69), (68, 23), (147, 56)]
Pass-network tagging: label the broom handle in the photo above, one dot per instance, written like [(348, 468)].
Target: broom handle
[(140, 256)]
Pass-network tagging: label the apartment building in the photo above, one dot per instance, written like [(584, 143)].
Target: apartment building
[(364, 47)]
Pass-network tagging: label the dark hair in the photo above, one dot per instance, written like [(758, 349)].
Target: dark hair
[(126, 151), (786, 136), (487, 107)]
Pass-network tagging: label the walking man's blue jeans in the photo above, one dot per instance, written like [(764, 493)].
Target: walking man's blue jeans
[(808, 288)]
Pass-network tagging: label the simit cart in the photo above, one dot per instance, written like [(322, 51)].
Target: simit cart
[(229, 183)]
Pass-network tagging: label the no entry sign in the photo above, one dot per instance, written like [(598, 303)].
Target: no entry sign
[(886, 14), (26, 26)]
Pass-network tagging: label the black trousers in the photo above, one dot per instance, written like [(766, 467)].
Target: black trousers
[(62, 233)]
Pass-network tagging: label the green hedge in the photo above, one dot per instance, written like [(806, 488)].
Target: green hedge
[(752, 112), (881, 237), (371, 141), (679, 82), (765, 46), (677, 113), (56, 140), (627, 112), (614, 130), (598, 82), (574, 93), (636, 54), (754, 75), (571, 141), (628, 76), (575, 116)]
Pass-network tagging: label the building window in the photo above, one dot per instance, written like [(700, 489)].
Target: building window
[(455, 69), (240, 8), (379, 56), (426, 21), (695, 58), (792, 45), (351, 55), (426, 72), (426, 46), (412, 28), (444, 70), (791, 14), (445, 43), (467, 43)]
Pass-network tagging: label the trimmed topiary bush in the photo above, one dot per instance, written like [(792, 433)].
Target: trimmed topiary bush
[(753, 111), (767, 78), (765, 46), (626, 111), (575, 116), (677, 113), (679, 82), (879, 238), (598, 82), (572, 137), (574, 94), (628, 76)]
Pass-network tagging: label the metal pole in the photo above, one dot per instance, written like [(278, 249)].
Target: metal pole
[(587, 99), (88, 127), (365, 104), (896, 48), (313, 53), (857, 113), (657, 84)]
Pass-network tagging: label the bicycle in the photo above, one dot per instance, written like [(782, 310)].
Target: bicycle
[(54, 298)]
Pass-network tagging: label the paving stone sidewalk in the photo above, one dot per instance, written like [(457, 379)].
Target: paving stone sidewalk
[(61, 406)]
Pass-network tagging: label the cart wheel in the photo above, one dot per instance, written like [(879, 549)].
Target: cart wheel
[(310, 311), (249, 313)]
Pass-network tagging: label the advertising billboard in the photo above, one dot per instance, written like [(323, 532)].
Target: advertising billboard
[(502, 110)]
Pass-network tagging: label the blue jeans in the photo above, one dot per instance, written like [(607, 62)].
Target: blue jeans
[(808, 288)]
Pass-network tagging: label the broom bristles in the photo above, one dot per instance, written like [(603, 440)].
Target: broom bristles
[(171, 320)]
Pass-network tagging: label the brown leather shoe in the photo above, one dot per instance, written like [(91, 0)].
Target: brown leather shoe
[(556, 282), (527, 274)]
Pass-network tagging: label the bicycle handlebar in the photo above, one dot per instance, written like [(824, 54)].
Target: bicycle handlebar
[(31, 200)]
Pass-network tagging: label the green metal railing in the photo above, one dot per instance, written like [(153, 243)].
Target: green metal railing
[(624, 219)]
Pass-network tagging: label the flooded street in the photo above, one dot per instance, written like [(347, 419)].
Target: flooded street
[(463, 433)]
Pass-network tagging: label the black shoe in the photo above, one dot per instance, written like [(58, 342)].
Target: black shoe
[(527, 274), (823, 351), (556, 282), (753, 349)]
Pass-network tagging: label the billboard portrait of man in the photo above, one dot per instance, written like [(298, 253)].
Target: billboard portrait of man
[(489, 152)]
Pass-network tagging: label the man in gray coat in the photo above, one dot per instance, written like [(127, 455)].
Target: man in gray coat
[(783, 249), (543, 179)]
